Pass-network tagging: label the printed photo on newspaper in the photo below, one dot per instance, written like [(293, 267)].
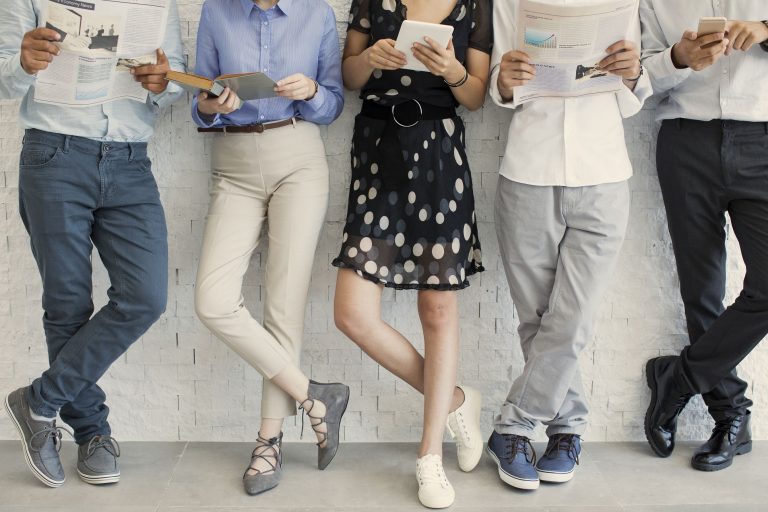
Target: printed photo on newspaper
[(566, 43), (101, 40)]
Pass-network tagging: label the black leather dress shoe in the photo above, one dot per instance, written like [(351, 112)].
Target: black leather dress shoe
[(667, 402), (729, 438)]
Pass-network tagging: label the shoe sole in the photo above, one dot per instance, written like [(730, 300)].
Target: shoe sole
[(27, 457), (741, 450), (436, 504), (99, 480), (517, 483), (555, 478), (341, 417), (651, 381)]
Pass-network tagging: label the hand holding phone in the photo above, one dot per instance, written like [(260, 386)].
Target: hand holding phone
[(699, 50), (715, 25)]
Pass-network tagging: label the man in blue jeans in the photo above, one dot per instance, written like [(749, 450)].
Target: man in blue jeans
[(84, 180)]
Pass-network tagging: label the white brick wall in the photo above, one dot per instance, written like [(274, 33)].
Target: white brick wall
[(178, 382)]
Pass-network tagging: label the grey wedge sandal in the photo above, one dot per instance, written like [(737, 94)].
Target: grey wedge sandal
[(335, 397), (265, 480)]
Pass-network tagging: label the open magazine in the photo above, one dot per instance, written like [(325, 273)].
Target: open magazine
[(101, 40), (566, 43)]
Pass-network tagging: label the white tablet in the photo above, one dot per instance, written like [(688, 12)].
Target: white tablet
[(414, 32)]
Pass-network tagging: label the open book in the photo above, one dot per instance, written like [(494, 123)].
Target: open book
[(247, 86)]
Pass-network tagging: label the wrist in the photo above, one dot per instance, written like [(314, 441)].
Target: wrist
[(456, 73), (315, 88), (676, 60)]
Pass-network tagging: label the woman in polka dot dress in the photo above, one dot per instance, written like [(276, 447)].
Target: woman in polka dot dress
[(411, 220)]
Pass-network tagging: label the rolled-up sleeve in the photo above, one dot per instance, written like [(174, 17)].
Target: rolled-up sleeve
[(504, 36), (328, 103), (174, 51), (657, 53), (17, 19), (632, 101)]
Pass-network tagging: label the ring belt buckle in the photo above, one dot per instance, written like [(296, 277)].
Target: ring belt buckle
[(394, 116)]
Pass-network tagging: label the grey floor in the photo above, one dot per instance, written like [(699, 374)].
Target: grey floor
[(205, 477)]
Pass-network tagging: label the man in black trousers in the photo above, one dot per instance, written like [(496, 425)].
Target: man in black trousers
[(712, 158)]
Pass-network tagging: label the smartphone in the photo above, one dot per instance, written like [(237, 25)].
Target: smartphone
[(713, 25)]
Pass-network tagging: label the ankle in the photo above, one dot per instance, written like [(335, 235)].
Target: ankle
[(458, 398)]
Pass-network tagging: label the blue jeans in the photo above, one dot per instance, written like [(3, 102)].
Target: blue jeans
[(75, 193)]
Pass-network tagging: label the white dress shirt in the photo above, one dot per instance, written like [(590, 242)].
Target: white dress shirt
[(571, 142), (734, 88)]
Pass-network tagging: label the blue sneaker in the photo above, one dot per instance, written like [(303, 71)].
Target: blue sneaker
[(515, 458), (560, 459)]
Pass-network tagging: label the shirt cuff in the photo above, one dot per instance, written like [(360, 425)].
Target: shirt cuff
[(202, 120), (632, 101), (670, 73), (170, 95), (318, 100), (495, 94), (18, 72)]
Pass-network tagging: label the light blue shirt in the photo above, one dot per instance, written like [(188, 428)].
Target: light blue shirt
[(121, 120), (294, 36)]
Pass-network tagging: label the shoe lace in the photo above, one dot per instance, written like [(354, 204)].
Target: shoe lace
[(266, 450), (315, 421), (519, 444), (431, 471), (729, 427), (48, 432), (107, 442), (462, 427), (564, 442)]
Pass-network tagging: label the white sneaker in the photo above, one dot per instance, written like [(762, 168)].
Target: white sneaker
[(464, 426), (435, 491)]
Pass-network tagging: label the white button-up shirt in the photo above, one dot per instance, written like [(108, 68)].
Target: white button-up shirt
[(735, 87), (571, 142)]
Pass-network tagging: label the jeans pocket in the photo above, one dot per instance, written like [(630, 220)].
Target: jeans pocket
[(35, 155)]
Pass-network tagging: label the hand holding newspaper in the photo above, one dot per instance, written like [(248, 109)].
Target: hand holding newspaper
[(101, 40), (566, 43)]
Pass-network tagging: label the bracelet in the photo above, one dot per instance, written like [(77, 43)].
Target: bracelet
[(317, 89), (460, 82), (642, 70)]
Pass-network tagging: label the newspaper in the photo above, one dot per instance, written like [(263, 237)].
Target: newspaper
[(566, 43), (101, 40)]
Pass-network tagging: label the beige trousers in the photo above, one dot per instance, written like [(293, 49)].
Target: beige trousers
[(281, 176)]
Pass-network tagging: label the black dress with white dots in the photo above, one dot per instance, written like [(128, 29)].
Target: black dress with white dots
[(417, 231)]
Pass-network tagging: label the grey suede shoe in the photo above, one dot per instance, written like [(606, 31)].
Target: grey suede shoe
[(97, 461), (267, 450), (41, 440), (335, 396)]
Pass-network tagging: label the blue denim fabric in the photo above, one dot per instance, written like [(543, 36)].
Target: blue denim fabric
[(74, 194)]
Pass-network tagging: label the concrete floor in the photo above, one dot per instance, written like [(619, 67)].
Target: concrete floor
[(205, 477)]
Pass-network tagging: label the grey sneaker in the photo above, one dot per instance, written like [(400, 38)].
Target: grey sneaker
[(262, 481), (41, 440), (97, 461), (335, 396)]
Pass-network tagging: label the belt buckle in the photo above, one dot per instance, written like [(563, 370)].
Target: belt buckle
[(394, 115), (259, 127)]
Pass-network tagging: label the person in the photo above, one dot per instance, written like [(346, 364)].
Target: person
[(411, 220), (712, 158), (561, 216), (269, 165), (85, 180)]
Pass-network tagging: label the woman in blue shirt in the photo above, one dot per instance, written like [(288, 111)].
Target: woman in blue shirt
[(269, 164)]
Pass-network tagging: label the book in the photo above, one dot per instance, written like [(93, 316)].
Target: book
[(247, 86)]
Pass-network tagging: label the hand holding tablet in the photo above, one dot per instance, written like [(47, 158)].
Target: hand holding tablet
[(412, 32)]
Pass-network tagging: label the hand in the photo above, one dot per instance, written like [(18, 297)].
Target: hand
[(441, 62), (152, 76), (623, 60), (296, 87), (745, 34), (382, 55), (515, 70), (696, 53), (227, 103), (38, 50)]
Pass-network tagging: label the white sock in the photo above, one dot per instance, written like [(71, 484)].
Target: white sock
[(37, 417)]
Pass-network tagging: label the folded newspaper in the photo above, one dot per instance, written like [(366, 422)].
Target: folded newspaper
[(566, 43), (101, 40)]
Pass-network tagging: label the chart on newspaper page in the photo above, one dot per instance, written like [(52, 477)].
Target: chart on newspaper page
[(566, 43), (101, 40)]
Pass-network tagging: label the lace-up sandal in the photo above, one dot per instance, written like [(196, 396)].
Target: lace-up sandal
[(335, 397), (97, 461), (270, 451), (41, 440)]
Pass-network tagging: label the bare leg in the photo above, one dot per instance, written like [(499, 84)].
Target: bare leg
[(357, 312), (438, 311)]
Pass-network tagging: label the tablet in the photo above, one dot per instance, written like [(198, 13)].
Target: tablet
[(414, 32)]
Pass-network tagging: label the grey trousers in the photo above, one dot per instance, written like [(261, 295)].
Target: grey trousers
[(559, 246)]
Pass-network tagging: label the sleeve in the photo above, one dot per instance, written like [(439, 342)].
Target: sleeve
[(16, 20), (328, 103), (175, 53), (481, 34), (206, 64), (631, 102), (657, 52), (360, 16), (504, 35)]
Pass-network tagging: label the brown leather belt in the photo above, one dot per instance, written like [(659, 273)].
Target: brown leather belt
[(251, 128)]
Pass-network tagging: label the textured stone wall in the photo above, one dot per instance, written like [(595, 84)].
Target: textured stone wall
[(178, 382)]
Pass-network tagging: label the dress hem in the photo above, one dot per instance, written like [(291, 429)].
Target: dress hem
[(474, 269)]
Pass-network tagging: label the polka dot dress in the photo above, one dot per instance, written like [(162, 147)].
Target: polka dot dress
[(419, 232)]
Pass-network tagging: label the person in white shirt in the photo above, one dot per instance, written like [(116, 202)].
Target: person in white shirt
[(712, 158), (562, 208)]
